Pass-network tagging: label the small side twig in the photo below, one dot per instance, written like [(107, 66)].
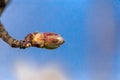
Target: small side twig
[(46, 40), (4, 35)]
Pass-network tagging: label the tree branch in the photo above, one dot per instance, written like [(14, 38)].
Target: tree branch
[(46, 40), (4, 35)]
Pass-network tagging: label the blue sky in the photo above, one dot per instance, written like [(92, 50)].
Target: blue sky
[(90, 29)]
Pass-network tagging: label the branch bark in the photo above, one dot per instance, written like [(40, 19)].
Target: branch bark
[(46, 40), (4, 35)]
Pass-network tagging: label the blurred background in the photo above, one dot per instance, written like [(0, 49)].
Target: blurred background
[(91, 31)]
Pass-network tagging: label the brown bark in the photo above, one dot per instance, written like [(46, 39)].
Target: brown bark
[(4, 35), (46, 40), (41, 40), (3, 4)]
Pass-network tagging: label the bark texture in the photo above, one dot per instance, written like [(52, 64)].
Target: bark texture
[(46, 40), (4, 35)]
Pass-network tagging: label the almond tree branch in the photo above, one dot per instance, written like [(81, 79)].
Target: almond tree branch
[(46, 40), (4, 35)]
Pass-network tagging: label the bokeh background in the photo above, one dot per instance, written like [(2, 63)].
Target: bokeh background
[(90, 28)]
